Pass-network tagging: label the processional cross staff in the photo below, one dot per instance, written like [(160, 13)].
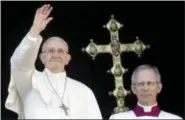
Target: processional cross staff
[(115, 48)]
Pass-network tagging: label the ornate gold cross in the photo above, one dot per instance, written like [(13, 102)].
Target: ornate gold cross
[(116, 48)]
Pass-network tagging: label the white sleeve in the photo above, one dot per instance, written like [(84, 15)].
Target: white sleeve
[(22, 67), (93, 107)]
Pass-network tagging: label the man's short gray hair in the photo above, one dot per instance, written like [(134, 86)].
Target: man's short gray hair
[(55, 37), (145, 66)]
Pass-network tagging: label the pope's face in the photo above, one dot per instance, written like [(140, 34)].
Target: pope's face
[(55, 55)]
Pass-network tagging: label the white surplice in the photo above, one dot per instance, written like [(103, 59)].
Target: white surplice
[(131, 115)]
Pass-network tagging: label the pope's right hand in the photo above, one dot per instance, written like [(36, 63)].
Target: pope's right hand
[(41, 20)]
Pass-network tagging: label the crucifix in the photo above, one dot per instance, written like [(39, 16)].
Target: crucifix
[(63, 107), (115, 48)]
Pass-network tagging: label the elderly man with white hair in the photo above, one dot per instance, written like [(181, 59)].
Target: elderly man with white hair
[(47, 94), (146, 84)]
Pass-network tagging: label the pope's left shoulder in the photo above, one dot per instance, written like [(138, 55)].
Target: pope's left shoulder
[(78, 85), (123, 115)]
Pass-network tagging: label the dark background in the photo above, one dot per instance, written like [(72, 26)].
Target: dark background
[(160, 24)]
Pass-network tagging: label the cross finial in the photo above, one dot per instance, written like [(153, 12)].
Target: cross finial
[(137, 37), (112, 16)]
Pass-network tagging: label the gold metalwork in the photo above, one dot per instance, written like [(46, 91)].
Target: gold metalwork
[(116, 48)]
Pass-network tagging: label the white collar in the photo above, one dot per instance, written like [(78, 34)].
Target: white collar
[(60, 74), (147, 108), (56, 79)]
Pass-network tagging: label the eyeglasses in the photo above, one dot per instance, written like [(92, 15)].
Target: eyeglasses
[(149, 84), (52, 51)]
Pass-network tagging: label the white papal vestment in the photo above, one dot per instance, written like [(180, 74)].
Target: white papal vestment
[(31, 95)]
